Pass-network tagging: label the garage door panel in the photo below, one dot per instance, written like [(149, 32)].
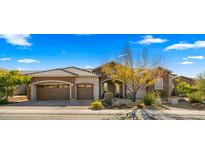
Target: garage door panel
[(53, 93), (85, 91)]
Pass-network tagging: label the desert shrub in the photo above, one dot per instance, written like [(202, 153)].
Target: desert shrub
[(149, 99), (200, 82), (107, 100), (97, 105), (195, 97), (161, 93)]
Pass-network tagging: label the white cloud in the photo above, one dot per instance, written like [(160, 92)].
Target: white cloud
[(5, 59), (184, 46), (28, 61), (196, 57), (149, 39), (186, 62), (121, 55), (16, 39)]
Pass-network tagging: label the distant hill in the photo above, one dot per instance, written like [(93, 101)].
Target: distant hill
[(27, 72)]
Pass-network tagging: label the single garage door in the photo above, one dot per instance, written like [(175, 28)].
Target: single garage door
[(53, 92), (85, 91)]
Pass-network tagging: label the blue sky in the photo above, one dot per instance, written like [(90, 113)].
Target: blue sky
[(183, 54)]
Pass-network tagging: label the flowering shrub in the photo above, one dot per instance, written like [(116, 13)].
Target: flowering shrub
[(97, 105)]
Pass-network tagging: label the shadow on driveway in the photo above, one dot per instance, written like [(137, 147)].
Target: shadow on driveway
[(54, 103)]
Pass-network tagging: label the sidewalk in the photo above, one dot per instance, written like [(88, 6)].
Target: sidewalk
[(58, 111), (82, 112)]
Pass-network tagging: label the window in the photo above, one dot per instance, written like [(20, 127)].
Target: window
[(159, 84), (88, 86), (81, 86), (50, 86), (66, 86), (84, 86)]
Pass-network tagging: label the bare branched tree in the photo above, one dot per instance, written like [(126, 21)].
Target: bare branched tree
[(136, 73)]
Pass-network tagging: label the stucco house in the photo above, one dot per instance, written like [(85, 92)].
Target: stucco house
[(83, 84)]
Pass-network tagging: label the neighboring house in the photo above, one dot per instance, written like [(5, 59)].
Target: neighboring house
[(189, 80), (77, 83)]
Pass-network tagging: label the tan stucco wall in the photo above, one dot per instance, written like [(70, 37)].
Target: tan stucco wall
[(94, 81), (166, 85), (141, 93)]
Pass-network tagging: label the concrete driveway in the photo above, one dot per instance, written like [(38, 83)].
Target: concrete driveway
[(53, 103)]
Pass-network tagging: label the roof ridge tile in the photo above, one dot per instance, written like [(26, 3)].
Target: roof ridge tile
[(68, 71)]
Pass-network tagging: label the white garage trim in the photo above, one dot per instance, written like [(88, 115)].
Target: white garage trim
[(33, 87)]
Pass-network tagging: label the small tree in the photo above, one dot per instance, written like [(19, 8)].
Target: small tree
[(182, 88), (200, 82), (134, 74), (9, 80)]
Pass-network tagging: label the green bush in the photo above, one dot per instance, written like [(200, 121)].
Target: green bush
[(195, 97), (107, 100), (182, 89), (97, 105), (149, 99)]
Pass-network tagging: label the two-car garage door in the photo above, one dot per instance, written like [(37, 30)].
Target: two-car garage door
[(53, 92)]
